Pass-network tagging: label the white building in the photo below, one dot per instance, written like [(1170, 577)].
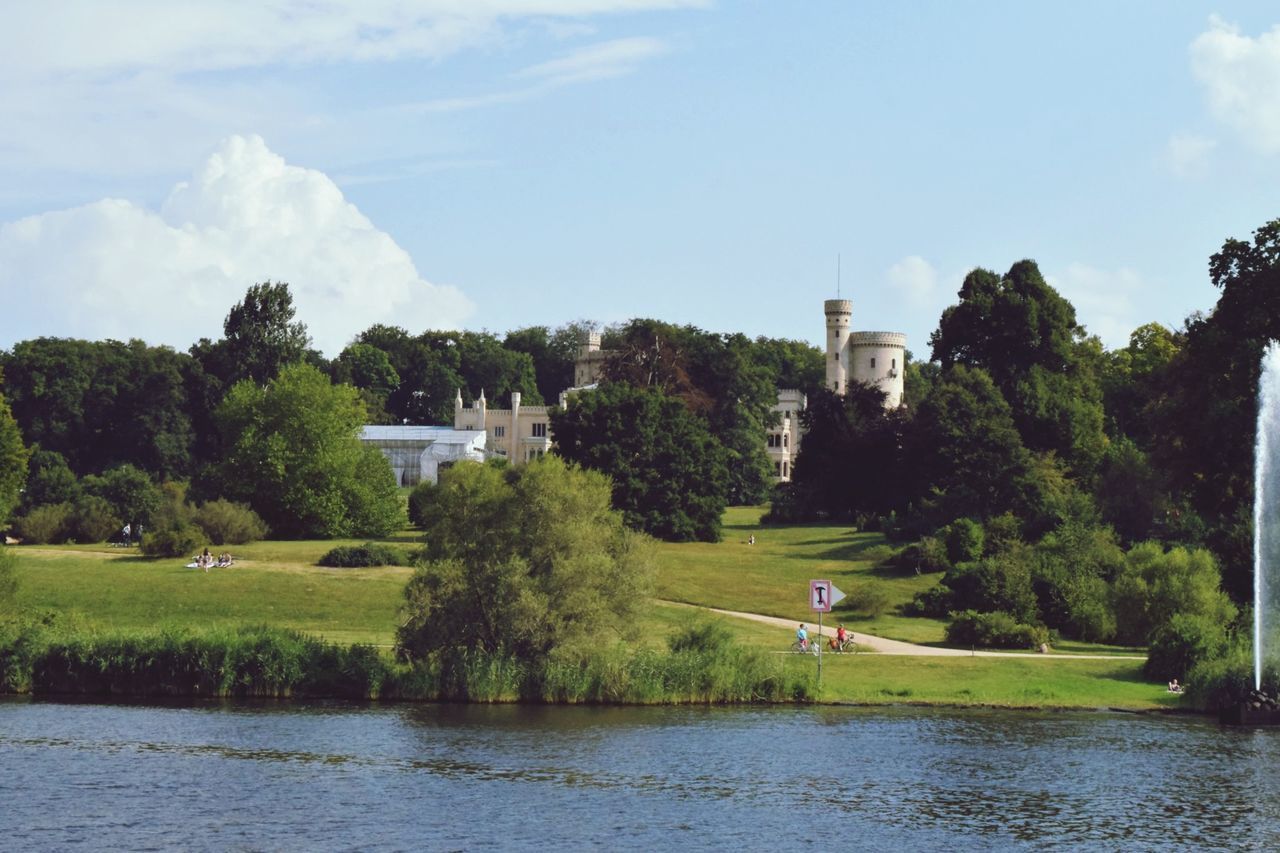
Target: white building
[(419, 453), (522, 433)]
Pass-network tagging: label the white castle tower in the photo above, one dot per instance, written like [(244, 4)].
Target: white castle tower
[(876, 358)]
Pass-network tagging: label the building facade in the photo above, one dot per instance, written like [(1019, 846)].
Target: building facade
[(522, 433)]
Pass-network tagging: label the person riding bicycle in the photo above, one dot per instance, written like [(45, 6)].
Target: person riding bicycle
[(842, 637), (802, 637)]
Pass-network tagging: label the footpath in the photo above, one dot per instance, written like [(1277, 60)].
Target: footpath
[(884, 646)]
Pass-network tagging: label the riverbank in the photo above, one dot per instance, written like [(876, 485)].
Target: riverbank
[(109, 595)]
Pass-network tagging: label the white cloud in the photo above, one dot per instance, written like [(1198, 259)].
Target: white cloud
[(1186, 154), (597, 61), (181, 36), (917, 280), (1103, 299), (116, 269), (1241, 77)]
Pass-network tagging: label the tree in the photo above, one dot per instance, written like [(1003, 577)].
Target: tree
[(525, 562), (968, 455), (104, 403), (294, 455), (128, 491), (261, 334), (669, 476), (49, 480), (1154, 585), (13, 460), (1207, 412), (554, 353), (1025, 335)]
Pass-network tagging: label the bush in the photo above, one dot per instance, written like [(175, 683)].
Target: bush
[(45, 524), (420, 502), (229, 523), (998, 629), (179, 540), (964, 540), (927, 555), (934, 602), (364, 556), (1179, 644), (701, 635), (870, 599), (93, 519)]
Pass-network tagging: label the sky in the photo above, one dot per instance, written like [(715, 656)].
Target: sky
[(496, 164)]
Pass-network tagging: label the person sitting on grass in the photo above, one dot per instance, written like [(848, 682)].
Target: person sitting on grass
[(1174, 686), (224, 560)]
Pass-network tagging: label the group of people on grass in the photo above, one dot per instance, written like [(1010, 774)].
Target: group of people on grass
[(207, 561), (841, 641)]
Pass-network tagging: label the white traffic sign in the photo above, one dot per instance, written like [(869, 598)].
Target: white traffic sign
[(823, 595)]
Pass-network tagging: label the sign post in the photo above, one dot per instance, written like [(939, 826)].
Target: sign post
[(822, 595)]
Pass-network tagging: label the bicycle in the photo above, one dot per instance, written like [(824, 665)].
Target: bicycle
[(809, 648)]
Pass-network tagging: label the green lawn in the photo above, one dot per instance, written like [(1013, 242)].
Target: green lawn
[(277, 583)]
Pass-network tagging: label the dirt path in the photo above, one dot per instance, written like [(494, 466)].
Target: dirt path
[(897, 647)]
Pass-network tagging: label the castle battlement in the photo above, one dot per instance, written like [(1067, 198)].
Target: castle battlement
[(838, 306), (878, 339)]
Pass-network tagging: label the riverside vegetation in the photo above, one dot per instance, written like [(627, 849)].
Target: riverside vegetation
[(102, 621)]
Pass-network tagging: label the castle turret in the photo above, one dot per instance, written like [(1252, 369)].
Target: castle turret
[(879, 358), (839, 313)]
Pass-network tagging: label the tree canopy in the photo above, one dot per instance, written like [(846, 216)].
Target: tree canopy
[(524, 561), (294, 455), (669, 476)]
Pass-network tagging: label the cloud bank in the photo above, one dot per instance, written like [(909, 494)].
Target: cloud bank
[(1241, 77), (114, 269)]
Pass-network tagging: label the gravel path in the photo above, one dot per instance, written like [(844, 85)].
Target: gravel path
[(885, 646)]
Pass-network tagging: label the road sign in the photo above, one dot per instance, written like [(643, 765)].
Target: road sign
[(823, 595)]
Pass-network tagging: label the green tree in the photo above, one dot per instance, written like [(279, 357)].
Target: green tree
[(8, 580), (128, 491), (13, 460), (968, 456), (668, 473), (261, 334), (294, 455), (1156, 584), (49, 480), (1025, 335), (525, 562), (554, 353)]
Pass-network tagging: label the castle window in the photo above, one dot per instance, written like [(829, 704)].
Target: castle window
[(539, 430), (784, 440), (777, 469), (873, 363), (893, 363), (784, 469), (835, 356), (499, 431)]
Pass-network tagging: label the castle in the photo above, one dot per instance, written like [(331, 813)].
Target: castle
[(522, 433)]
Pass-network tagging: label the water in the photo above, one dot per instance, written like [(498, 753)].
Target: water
[(337, 777), (1266, 506)]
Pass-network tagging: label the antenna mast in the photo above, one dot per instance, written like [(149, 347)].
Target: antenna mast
[(837, 275)]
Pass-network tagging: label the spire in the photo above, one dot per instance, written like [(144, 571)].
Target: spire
[(457, 401)]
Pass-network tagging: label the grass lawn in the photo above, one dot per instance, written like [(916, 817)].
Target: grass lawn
[(277, 583), (272, 583)]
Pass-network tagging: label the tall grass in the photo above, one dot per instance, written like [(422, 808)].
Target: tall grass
[(274, 663)]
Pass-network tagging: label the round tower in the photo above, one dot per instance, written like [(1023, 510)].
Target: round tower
[(839, 312), (878, 358)]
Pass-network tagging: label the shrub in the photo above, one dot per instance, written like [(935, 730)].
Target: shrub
[(363, 556), (934, 602), (870, 598), (229, 523), (420, 502), (1220, 681), (701, 635), (1183, 641), (927, 555), (179, 540), (93, 519), (45, 524), (998, 629), (964, 540)]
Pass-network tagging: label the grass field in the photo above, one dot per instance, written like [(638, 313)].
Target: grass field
[(279, 584)]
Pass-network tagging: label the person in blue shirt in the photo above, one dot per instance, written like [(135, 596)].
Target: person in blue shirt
[(802, 636)]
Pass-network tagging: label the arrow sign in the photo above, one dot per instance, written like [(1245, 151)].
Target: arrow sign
[(823, 595)]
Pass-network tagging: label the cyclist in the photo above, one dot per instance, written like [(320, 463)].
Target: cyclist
[(802, 637), (842, 637)]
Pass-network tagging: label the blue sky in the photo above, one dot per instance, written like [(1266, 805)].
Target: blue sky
[(501, 164)]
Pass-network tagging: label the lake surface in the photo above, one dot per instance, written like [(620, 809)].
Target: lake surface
[(336, 777)]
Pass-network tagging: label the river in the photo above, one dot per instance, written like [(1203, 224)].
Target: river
[(327, 776)]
